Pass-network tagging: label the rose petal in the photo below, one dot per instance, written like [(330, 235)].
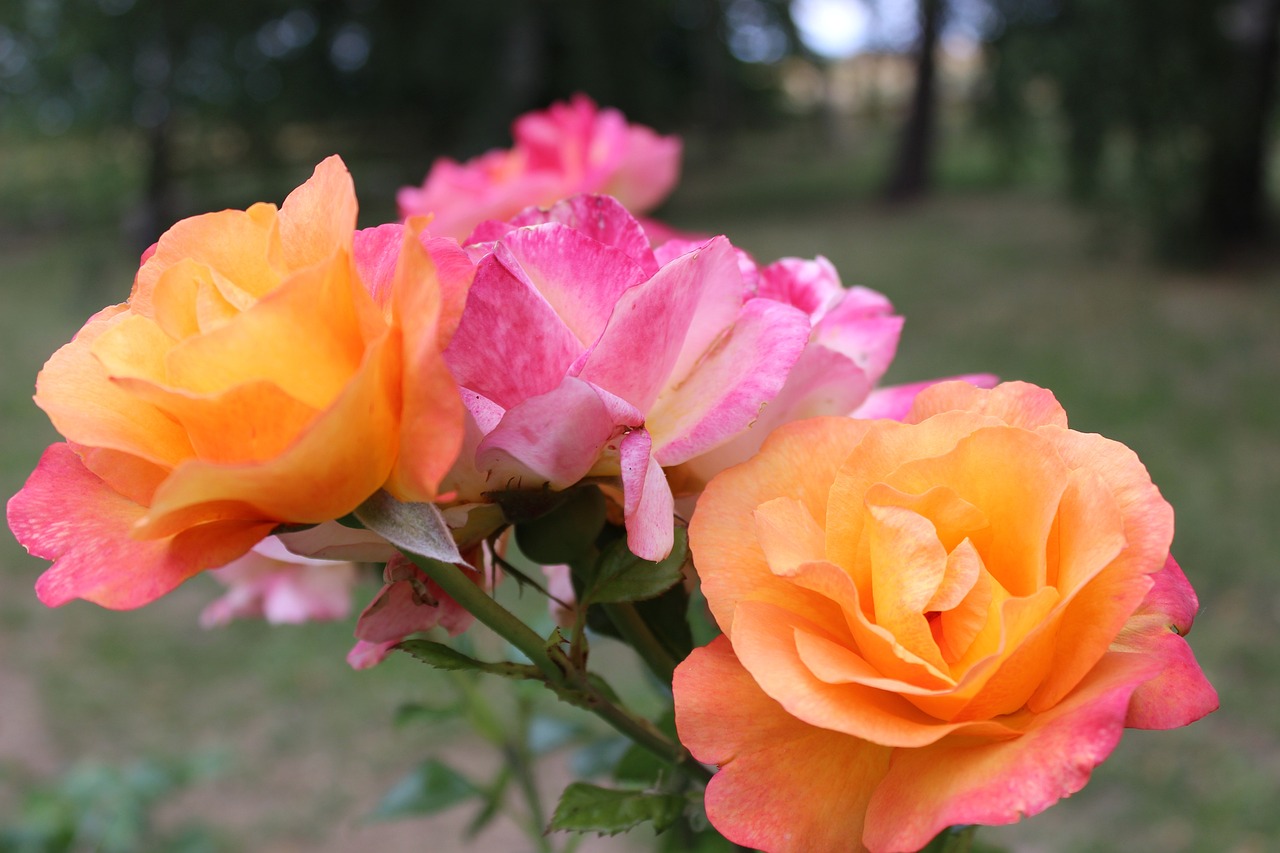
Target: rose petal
[(959, 781), (66, 514), (782, 785), (1180, 694)]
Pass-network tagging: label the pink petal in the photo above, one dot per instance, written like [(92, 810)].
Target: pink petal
[(1180, 694), (553, 439), (580, 277), (894, 402), (365, 655), (648, 506), (510, 344), (965, 781), (822, 382), (649, 172), (67, 514), (598, 217), (410, 602), (813, 286), (376, 252), (654, 333), (725, 392)]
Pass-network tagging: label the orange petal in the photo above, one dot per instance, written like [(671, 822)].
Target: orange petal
[(886, 446), (251, 422), (319, 217), (83, 404), (908, 564), (960, 780), (1014, 477), (782, 785), (764, 640), (342, 458), (1148, 518), (305, 337), (1018, 404), (431, 427), (236, 244), (788, 534), (798, 461)]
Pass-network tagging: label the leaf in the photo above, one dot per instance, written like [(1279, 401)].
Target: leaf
[(668, 617), (431, 787), (443, 657), (566, 533), (417, 528), (590, 808), (622, 576)]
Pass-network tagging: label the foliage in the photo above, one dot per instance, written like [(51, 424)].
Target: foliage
[(1166, 106), (108, 808)]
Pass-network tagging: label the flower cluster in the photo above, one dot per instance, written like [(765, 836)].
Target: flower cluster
[(939, 604)]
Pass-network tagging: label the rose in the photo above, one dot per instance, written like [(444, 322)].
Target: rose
[(581, 355), (938, 622), (270, 582), (568, 149), (269, 367)]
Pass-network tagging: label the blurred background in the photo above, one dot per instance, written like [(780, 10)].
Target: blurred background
[(1079, 193)]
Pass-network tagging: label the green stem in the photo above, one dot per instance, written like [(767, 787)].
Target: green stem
[(518, 757), (637, 634), (568, 681), (485, 608), (649, 736)]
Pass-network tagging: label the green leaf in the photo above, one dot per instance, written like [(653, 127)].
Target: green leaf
[(589, 808), (622, 576), (443, 657), (566, 533), (668, 617), (417, 528), (430, 788)]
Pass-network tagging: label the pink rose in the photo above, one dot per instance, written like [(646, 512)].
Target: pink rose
[(581, 354), (568, 149)]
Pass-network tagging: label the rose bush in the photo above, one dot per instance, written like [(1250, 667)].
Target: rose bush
[(570, 148), (269, 367), (938, 622)]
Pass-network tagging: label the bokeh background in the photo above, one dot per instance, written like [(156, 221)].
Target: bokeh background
[(1078, 193)]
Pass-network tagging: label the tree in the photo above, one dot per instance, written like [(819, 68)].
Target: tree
[(913, 166), (1182, 90)]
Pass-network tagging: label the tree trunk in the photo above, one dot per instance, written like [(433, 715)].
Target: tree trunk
[(1234, 200), (913, 170)]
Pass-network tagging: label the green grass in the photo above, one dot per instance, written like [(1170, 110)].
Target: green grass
[(1183, 368)]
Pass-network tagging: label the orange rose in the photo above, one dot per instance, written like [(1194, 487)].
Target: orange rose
[(937, 622), (252, 379)]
